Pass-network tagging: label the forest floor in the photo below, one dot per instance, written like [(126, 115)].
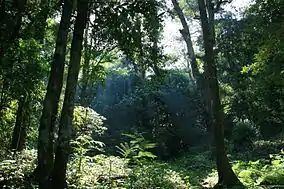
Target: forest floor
[(259, 166)]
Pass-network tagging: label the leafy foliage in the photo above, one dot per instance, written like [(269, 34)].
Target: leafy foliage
[(16, 168), (124, 87), (164, 109), (86, 122), (251, 64), (261, 172), (137, 149), (243, 135), (8, 118), (156, 175)]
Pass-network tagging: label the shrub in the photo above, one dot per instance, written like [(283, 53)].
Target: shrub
[(98, 171), (7, 121), (16, 168), (155, 175), (274, 174), (87, 121), (243, 135), (261, 172), (137, 149), (262, 148)]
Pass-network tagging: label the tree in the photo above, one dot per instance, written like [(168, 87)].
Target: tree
[(98, 50), (137, 32), (50, 105), (265, 23), (65, 125), (8, 38), (194, 73), (11, 24), (225, 172), (39, 22), (20, 128), (250, 63)]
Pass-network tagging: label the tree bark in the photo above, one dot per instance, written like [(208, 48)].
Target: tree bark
[(187, 38), (225, 172), (50, 105), (2, 18), (19, 131), (85, 71), (9, 38), (40, 23), (65, 125), (22, 123), (194, 74)]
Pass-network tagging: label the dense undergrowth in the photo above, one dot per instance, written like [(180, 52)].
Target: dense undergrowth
[(193, 169)]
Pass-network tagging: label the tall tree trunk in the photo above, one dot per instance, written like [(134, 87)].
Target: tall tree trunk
[(20, 8), (187, 38), (197, 78), (9, 38), (65, 125), (41, 21), (154, 62), (50, 105), (2, 18), (225, 172), (20, 128), (85, 70)]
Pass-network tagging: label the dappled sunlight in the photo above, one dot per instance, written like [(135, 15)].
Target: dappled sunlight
[(142, 94), (211, 180)]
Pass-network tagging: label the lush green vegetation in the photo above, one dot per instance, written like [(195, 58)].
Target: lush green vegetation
[(193, 169), (90, 98)]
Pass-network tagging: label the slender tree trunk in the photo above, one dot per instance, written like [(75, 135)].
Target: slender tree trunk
[(187, 38), (10, 35), (7, 42), (50, 105), (19, 127), (65, 125), (194, 74), (2, 10), (40, 23), (2, 18), (141, 64), (20, 8), (9, 38), (154, 62), (85, 70), (225, 172), (21, 124)]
